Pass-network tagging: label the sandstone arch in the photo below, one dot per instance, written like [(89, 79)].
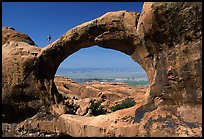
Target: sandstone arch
[(114, 30), (165, 39)]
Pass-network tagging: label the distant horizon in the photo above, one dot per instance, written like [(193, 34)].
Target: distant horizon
[(108, 68), (122, 74)]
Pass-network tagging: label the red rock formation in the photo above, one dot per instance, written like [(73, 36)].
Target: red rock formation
[(165, 39), (172, 34)]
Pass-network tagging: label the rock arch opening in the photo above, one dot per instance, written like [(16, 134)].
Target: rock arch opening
[(100, 64), (101, 90)]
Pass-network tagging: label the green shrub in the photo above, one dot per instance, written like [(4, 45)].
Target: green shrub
[(128, 102), (97, 108)]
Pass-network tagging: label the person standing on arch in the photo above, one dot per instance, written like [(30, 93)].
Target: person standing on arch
[(49, 38)]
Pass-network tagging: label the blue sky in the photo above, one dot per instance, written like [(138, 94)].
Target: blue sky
[(38, 19)]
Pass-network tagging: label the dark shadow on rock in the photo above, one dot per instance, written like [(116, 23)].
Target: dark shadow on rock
[(10, 115)]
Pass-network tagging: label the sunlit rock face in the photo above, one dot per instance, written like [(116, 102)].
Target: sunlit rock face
[(165, 39), (172, 34)]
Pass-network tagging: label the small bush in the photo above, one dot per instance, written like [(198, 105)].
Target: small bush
[(128, 102), (97, 108)]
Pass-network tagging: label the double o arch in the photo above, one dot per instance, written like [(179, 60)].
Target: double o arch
[(114, 30), (169, 53)]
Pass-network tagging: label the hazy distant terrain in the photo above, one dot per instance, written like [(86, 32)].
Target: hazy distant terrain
[(130, 76)]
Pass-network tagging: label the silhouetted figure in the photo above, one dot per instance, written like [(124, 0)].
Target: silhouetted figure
[(49, 38)]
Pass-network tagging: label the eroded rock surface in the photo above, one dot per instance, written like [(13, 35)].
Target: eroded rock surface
[(165, 39), (172, 35)]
